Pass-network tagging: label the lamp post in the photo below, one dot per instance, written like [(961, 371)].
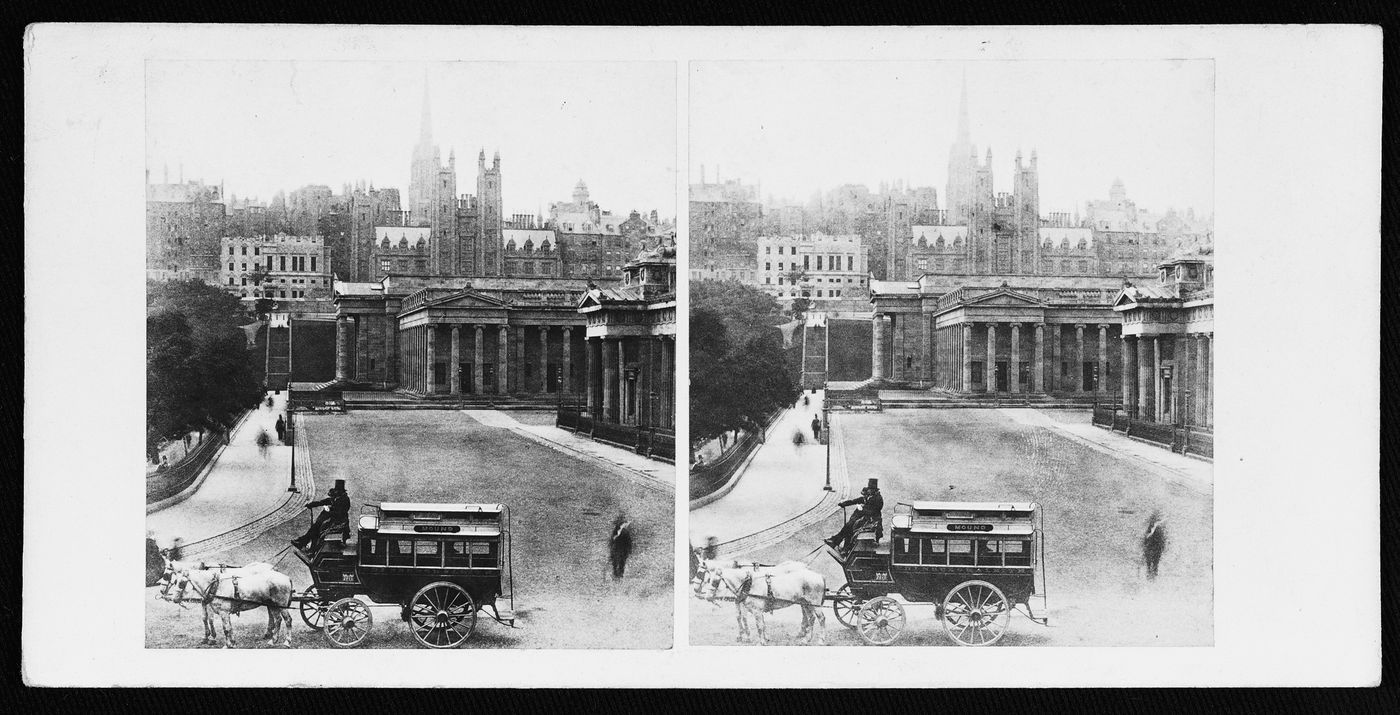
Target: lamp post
[(826, 418), (292, 476)]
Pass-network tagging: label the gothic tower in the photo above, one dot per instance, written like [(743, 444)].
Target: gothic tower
[(1026, 208), (423, 173), (488, 192)]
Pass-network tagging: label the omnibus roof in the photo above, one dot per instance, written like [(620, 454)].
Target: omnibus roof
[(443, 508), (972, 506)]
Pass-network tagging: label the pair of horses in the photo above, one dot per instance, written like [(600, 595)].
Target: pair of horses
[(759, 590), (230, 590)]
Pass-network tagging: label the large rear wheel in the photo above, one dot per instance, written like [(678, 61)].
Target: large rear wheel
[(976, 613), (880, 621), (442, 615), (347, 622)]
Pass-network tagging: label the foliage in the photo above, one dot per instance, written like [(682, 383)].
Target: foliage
[(738, 369), (800, 306), (199, 372)]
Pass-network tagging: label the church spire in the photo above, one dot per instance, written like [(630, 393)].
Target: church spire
[(425, 132), (964, 133)]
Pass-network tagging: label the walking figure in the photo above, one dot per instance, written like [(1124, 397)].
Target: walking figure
[(269, 402), (804, 401), (263, 441), (1153, 543), (620, 546), (281, 430), (816, 428)]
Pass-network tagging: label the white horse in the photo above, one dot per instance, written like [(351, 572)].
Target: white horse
[(173, 567), (761, 590), (230, 591)]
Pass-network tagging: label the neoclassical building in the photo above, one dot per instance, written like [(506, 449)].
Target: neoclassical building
[(1168, 360), (443, 335), (631, 345), (1147, 347)]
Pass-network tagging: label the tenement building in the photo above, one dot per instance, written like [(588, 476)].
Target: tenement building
[(818, 267), (725, 221), (280, 267)]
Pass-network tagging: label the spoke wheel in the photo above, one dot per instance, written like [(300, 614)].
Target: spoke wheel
[(976, 613), (845, 607), (313, 610), (347, 622), (880, 621), (442, 615)]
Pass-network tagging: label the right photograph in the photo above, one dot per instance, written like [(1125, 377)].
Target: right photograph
[(952, 353)]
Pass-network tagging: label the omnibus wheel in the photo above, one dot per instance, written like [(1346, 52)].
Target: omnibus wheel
[(442, 615), (347, 623), (880, 621), (313, 610), (976, 613), (845, 606)]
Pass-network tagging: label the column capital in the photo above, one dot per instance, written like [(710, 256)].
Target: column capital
[(1039, 327), (1015, 324), (1079, 326), (1103, 326)]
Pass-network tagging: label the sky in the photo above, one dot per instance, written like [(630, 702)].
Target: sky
[(261, 127), (801, 127)]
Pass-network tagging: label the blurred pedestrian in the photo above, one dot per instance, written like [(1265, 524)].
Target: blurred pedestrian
[(281, 430), (816, 428), (1154, 542), (155, 563), (711, 550), (164, 464), (263, 441), (177, 549), (620, 546)]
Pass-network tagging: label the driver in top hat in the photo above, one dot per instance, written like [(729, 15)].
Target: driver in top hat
[(337, 513), (870, 504)]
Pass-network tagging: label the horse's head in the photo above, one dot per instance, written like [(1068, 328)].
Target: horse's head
[(711, 574), (176, 583)]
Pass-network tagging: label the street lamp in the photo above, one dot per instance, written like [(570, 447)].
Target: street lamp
[(292, 476), (826, 417)]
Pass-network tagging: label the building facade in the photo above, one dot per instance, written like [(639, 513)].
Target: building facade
[(818, 267), (291, 268), (1168, 355), (184, 222), (726, 219)]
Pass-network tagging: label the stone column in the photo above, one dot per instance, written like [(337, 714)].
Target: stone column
[(391, 345), (592, 363), (520, 385), (989, 375), (1053, 380), (610, 362), (966, 357), (361, 348), (1013, 379), (432, 358), (567, 362), (1038, 367), (622, 391), (1077, 368), (1103, 358), (1144, 383), (668, 397), (1154, 384), (1210, 379), (877, 347), (478, 357), (454, 378), (543, 358), (1198, 376), (1129, 373), (502, 361), (342, 348), (926, 360)]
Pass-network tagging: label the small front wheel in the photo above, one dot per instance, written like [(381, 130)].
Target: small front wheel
[(313, 610), (880, 621), (845, 606), (347, 622)]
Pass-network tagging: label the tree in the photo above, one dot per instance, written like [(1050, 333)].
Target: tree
[(199, 372), (800, 306)]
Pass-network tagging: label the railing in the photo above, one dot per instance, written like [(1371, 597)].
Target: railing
[(653, 442), (172, 481), (708, 478), (1183, 439)]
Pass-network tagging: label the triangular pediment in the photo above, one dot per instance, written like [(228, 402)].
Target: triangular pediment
[(1124, 298), (1005, 296), (591, 298), (468, 299)]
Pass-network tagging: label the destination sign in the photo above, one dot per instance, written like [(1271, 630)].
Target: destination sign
[(969, 527), (436, 528)]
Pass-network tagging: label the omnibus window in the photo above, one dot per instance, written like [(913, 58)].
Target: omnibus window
[(1018, 553), (987, 553), (906, 551), (373, 551), (933, 551), (427, 553), (960, 552), (484, 554), (456, 554), (401, 552)]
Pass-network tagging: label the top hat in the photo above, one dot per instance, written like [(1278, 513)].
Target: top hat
[(339, 487), (873, 484)]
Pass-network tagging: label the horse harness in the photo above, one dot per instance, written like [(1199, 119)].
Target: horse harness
[(743, 593)]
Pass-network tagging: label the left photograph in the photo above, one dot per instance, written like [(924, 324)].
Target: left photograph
[(410, 354)]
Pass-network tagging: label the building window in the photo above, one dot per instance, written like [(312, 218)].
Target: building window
[(230, 266), (230, 280), (850, 263), (806, 262), (976, 371), (230, 250), (767, 266), (244, 250), (244, 266), (282, 263), (256, 251), (768, 249), (313, 264), (923, 264), (243, 281), (819, 262)]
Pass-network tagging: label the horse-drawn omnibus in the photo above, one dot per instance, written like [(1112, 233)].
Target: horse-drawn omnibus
[(975, 562), (439, 563)]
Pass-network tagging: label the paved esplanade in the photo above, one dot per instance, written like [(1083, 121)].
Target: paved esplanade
[(782, 481), (243, 484)]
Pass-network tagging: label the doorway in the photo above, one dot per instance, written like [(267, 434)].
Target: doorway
[(1003, 369), (464, 377)]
